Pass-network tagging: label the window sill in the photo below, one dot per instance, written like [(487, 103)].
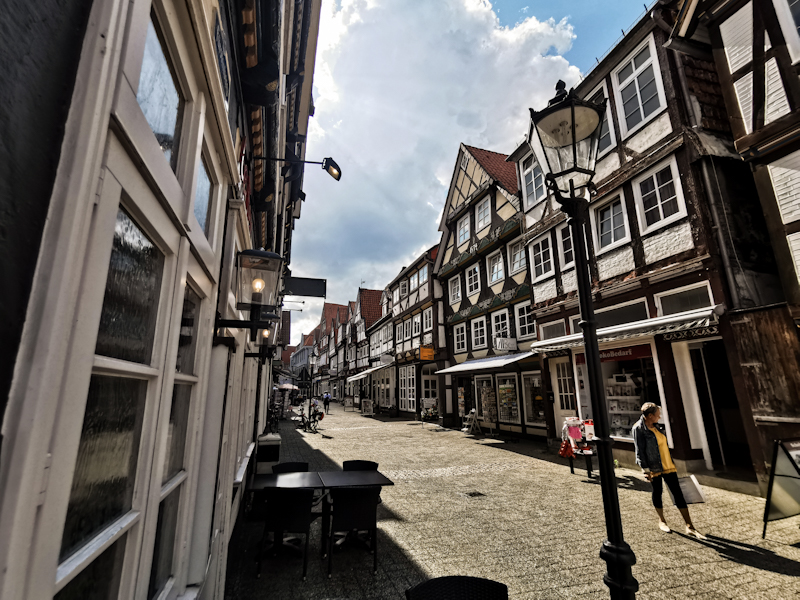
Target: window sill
[(611, 247), (543, 277), (479, 229), (662, 224), (491, 283), (520, 270)]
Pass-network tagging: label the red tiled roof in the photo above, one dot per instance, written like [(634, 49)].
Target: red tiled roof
[(286, 355), (434, 252), (370, 306), (505, 173), (329, 313)]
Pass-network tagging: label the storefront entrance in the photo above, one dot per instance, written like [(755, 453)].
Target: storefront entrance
[(722, 420), (563, 385)]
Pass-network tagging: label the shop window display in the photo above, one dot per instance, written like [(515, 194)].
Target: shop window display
[(629, 376), (533, 396)]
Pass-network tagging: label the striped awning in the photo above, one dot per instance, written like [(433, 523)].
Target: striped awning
[(692, 319)]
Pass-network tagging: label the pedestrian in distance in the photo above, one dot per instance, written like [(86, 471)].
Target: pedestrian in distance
[(652, 455), (326, 403)]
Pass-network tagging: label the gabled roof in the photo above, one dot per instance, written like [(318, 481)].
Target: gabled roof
[(370, 305), (496, 166), (330, 312)]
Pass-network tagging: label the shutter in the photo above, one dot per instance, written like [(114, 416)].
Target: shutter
[(777, 105), (737, 37), (785, 174), (794, 246), (744, 94)]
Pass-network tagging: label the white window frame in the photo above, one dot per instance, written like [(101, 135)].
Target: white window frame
[(403, 385), (416, 324), (617, 195), (499, 313), (515, 377), (454, 289), (460, 332), (523, 253), (532, 251), (489, 260), (472, 324), (486, 204), (413, 282), (531, 202), (602, 87), (550, 324), (617, 86), (411, 384), (464, 161), (685, 288), (399, 334), (427, 319), (476, 269), (395, 296), (404, 288), (423, 274), (407, 329), (672, 163), (463, 227), (563, 263), (518, 321)]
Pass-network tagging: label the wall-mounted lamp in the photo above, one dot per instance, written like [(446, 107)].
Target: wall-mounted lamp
[(328, 164), (257, 279)]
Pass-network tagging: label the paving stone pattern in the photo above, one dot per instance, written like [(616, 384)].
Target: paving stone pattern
[(511, 511)]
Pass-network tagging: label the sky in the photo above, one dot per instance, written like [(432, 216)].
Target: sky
[(398, 85)]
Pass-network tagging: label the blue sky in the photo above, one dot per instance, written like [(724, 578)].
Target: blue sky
[(398, 85)]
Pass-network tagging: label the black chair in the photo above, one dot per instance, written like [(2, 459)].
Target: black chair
[(289, 510), (458, 588), (359, 465), (355, 508), (290, 467)]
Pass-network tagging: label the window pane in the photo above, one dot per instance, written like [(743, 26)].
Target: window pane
[(648, 91), (187, 341), (176, 436), (202, 196), (158, 95), (553, 330), (130, 306), (630, 105), (686, 300), (566, 243), (626, 72), (100, 579), (642, 57), (623, 314), (102, 486), (161, 570)]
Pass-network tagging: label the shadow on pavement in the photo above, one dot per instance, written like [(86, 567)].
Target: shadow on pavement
[(281, 577), (749, 555)]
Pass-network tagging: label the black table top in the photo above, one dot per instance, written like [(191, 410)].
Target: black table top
[(287, 480), (320, 480), (333, 479)]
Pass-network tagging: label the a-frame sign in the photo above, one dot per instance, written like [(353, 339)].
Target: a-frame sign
[(304, 380), (783, 493)]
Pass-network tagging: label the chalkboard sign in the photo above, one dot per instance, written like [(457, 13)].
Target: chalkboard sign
[(783, 493)]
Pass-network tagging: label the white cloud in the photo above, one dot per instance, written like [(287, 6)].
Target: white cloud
[(398, 85)]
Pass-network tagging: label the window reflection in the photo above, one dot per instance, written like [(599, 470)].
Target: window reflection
[(176, 436), (130, 306), (202, 196), (158, 94), (100, 580), (161, 570), (187, 341), (105, 472)]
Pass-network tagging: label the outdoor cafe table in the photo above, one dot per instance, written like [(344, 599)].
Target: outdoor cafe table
[(320, 480)]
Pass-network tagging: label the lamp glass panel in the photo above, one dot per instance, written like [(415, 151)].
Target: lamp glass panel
[(258, 280)]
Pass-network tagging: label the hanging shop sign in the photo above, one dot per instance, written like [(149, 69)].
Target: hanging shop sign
[(783, 493), (501, 343), (426, 353)]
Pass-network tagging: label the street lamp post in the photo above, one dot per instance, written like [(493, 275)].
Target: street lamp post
[(568, 131)]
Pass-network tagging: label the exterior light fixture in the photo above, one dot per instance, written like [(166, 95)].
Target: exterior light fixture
[(568, 131), (257, 278), (328, 164)]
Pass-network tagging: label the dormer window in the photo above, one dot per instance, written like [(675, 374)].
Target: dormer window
[(532, 182), (464, 161)]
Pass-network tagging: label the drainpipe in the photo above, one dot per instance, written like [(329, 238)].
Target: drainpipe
[(711, 192)]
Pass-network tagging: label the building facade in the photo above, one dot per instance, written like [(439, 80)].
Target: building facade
[(131, 417)]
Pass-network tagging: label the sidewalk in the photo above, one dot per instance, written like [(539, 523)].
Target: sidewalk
[(512, 512)]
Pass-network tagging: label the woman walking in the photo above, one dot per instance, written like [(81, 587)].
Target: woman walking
[(652, 454)]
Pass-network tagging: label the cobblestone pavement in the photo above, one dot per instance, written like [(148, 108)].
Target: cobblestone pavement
[(511, 511)]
